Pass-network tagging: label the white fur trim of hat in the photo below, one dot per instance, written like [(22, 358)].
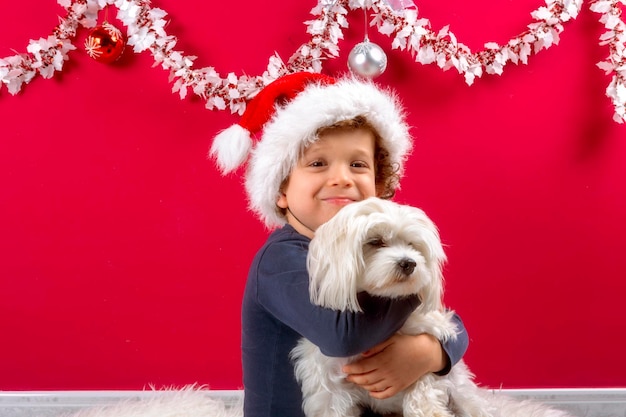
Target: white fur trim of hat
[(293, 126)]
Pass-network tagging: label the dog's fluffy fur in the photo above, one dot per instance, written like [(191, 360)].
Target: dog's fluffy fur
[(389, 250)]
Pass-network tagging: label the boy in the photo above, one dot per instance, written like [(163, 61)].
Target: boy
[(325, 144)]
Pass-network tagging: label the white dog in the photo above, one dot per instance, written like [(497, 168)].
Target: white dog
[(389, 250)]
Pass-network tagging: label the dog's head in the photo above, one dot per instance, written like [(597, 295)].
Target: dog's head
[(380, 247)]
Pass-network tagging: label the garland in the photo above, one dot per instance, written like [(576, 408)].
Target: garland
[(146, 31), (615, 63)]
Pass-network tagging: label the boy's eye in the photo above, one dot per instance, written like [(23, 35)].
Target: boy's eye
[(358, 164), (316, 164)]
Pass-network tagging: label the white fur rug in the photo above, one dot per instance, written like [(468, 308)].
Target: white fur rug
[(185, 402), (193, 401)]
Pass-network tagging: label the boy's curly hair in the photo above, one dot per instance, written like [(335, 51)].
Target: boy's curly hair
[(386, 173)]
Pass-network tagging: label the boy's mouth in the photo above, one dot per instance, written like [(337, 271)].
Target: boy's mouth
[(342, 201)]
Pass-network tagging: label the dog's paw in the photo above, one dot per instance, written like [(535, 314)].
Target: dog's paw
[(436, 323), (429, 397)]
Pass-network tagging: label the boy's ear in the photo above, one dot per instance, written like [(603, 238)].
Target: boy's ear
[(282, 200)]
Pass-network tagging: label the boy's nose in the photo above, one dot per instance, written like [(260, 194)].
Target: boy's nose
[(340, 176)]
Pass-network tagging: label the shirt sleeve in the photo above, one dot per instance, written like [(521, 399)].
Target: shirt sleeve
[(283, 290), (455, 348)]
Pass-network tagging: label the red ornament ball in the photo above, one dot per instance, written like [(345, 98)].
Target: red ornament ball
[(105, 43)]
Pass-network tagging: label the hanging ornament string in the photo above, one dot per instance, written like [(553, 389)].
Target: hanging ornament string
[(366, 58), (146, 31)]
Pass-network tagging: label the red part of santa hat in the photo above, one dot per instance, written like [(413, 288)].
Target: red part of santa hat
[(231, 147)]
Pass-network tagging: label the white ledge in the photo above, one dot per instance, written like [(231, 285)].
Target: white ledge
[(588, 402)]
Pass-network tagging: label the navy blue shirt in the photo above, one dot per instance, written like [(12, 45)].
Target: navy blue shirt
[(277, 312)]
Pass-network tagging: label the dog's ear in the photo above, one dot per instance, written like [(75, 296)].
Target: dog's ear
[(432, 297), (335, 260), (426, 235)]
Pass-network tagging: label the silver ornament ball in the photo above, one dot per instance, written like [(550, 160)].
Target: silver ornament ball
[(367, 59)]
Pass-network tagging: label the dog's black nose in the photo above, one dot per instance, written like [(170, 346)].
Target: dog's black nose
[(408, 265)]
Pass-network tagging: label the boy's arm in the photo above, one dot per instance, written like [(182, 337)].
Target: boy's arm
[(395, 364), (283, 290), (455, 349)]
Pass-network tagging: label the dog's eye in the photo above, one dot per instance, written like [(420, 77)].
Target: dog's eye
[(376, 242)]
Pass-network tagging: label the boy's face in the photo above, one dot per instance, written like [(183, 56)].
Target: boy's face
[(336, 170)]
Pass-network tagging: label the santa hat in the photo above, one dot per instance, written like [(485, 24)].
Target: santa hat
[(290, 111)]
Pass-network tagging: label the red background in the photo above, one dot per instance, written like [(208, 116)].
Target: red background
[(123, 253)]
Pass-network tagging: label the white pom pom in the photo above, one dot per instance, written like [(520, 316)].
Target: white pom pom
[(230, 148)]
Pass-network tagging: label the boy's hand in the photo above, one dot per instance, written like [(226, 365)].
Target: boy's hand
[(395, 364)]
